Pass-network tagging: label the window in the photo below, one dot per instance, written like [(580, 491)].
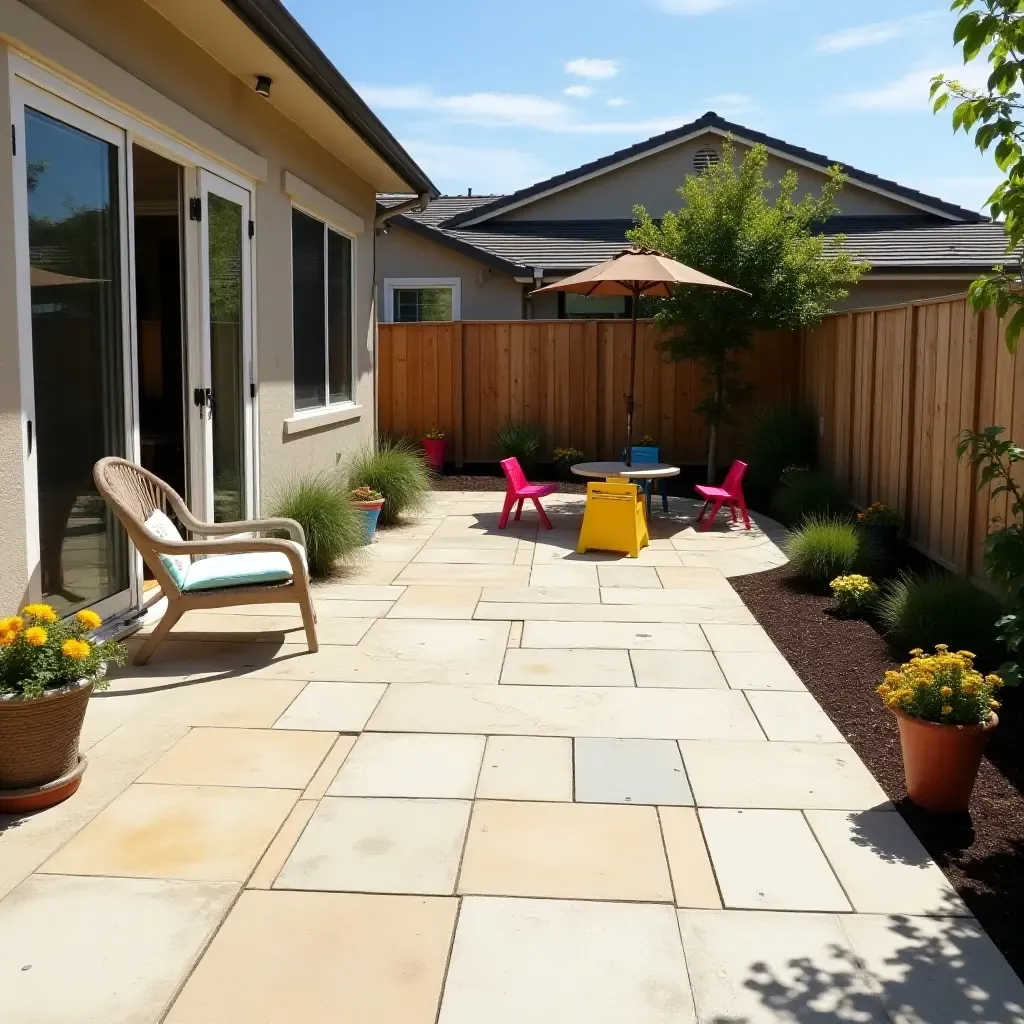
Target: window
[(414, 305), (321, 313), (413, 300)]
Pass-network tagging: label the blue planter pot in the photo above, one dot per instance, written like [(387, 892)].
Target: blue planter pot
[(371, 513), (643, 453)]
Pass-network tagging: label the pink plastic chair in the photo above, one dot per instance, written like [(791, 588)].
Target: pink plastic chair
[(731, 491), (519, 489)]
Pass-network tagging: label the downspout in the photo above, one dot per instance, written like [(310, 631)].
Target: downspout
[(420, 203)]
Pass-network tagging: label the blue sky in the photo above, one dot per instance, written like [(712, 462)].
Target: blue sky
[(494, 97)]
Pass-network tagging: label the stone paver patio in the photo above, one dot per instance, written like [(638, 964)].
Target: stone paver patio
[(515, 784)]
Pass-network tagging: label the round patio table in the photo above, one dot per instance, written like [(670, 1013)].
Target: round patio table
[(619, 470)]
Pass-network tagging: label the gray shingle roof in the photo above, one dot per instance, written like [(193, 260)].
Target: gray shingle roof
[(712, 120), (441, 209), (889, 244)]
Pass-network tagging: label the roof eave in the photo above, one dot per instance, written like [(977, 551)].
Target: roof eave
[(472, 251), (272, 23)]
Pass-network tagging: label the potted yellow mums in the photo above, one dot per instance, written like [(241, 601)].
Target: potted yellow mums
[(945, 709), (48, 668)]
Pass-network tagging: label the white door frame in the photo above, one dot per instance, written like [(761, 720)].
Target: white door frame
[(207, 183), (27, 95), (43, 89)]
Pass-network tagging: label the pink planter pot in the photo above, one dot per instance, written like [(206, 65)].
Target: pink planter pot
[(433, 448)]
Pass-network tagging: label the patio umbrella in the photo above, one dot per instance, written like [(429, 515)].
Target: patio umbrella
[(635, 272)]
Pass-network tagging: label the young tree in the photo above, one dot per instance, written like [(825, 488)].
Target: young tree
[(994, 29), (729, 228)]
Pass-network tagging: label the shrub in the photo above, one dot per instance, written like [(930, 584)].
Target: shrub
[(804, 493), (922, 612), (333, 526), (435, 434), (648, 441), (519, 440), (777, 436), (822, 549), (396, 469), (854, 594), (941, 687), (879, 514)]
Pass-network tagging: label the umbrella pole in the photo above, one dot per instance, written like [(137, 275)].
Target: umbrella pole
[(630, 398)]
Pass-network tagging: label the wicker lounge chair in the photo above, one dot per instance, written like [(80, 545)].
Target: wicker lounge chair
[(236, 570)]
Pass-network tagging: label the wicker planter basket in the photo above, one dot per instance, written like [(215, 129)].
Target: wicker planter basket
[(39, 735)]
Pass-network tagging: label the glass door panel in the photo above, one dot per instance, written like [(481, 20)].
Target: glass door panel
[(73, 198), (225, 359)]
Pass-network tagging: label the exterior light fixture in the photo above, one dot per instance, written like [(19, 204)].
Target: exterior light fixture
[(263, 84)]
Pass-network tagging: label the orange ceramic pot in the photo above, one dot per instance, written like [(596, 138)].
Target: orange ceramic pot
[(940, 762)]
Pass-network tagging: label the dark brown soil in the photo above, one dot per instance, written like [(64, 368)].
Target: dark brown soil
[(497, 483), (841, 661)]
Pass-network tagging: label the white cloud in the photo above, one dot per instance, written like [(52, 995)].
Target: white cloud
[(693, 7), (730, 102), (579, 91), (618, 101), (872, 34), (908, 93), (586, 67), (500, 110), (456, 168)]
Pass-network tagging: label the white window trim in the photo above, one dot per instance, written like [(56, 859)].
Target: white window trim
[(391, 283), (316, 204), (301, 416)]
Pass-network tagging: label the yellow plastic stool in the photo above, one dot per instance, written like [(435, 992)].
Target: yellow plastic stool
[(614, 519)]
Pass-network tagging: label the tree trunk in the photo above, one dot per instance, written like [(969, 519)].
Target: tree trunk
[(718, 386)]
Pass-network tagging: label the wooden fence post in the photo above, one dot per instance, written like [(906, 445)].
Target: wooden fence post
[(458, 399)]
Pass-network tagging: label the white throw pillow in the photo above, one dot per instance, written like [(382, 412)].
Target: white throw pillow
[(161, 527)]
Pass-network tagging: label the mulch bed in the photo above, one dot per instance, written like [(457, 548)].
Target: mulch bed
[(841, 661), (491, 483)]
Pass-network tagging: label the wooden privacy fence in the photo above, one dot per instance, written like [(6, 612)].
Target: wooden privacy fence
[(567, 377), (893, 387)]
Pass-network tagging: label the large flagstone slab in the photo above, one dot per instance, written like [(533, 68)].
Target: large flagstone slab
[(526, 768), (111, 950), (610, 612), (566, 962), (614, 711), (792, 716), (780, 775), (615, 771), (322, 958), (526, 667), (647, 635)]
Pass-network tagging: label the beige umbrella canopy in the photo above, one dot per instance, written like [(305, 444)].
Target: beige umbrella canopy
[(636, 272)]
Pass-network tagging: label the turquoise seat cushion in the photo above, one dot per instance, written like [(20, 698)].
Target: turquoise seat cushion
[(162, 528), (243, 570)]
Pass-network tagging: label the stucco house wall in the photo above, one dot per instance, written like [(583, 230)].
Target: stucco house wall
[(486, 293), (654, 181), (129, 55)]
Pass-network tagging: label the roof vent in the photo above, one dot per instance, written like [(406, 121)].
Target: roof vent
[(705, 158)]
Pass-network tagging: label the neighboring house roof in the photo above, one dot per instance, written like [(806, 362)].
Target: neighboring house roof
[(709, 122), (890, 244), (272, 23), (441, 209)]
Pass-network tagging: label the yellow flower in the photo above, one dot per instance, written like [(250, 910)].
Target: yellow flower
[(942, 648), (994, 704), (43, 612), (7, 637), (36, 636), (946, 709), (12, 625), (946, 691), (916, 652), (89, 619), (993, 680), (76, 649)]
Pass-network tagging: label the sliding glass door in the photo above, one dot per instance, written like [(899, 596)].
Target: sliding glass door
[(72, 171), (222, 378)]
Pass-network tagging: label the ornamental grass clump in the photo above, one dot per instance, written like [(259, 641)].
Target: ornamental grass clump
[(803, 494), (520, 441), (942, 687), (824, 548), (39, 651), (332, 524), (854, 594), (925, 611), (397, 470)]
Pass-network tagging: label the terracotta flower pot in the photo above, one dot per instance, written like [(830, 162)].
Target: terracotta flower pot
[(941, 762), (371, 513), (433, 449), (39, 743)]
